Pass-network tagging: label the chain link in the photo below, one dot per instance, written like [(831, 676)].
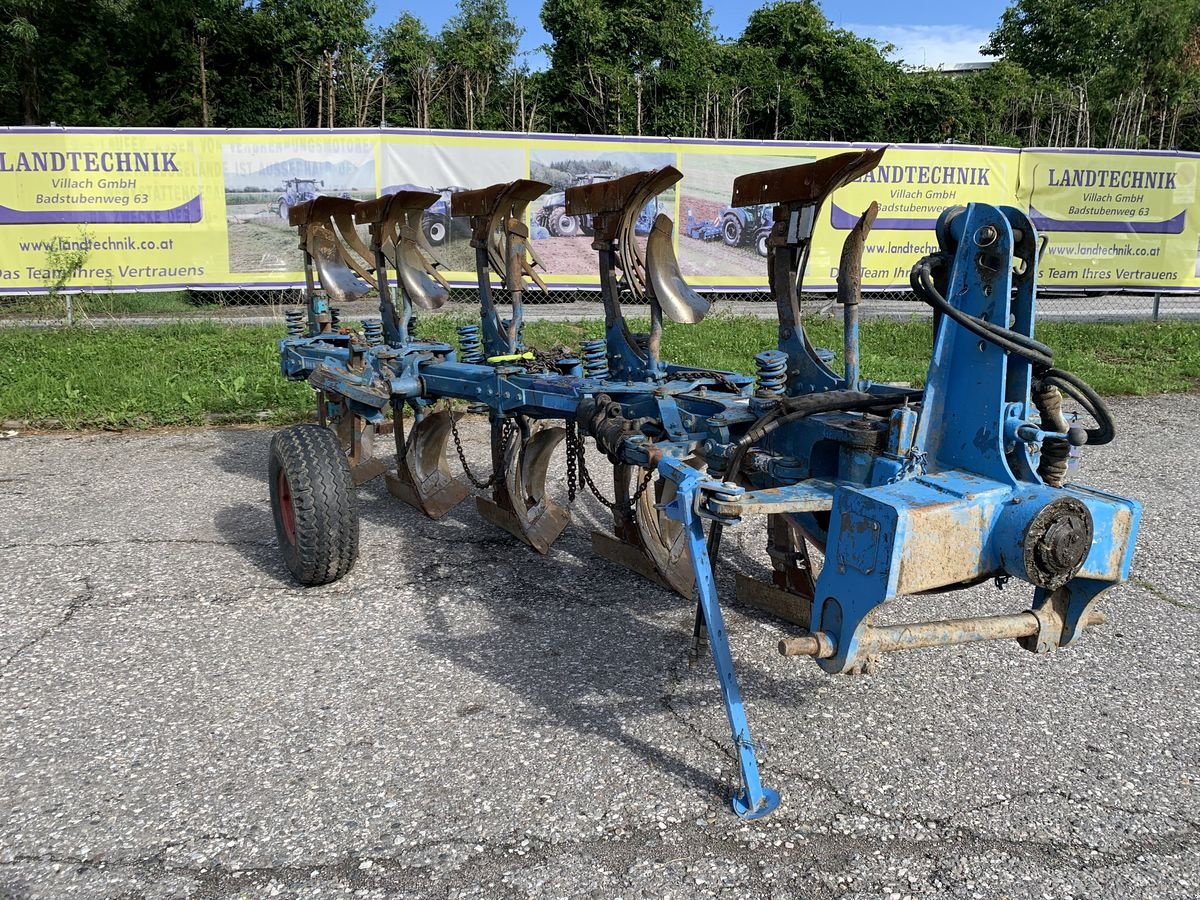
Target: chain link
[(507, 428), (577, 473), (721, 378), (914, 464)]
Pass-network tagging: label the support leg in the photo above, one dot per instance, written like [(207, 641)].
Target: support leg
[(752, 801)]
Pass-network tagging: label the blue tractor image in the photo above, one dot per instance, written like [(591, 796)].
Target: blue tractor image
[(437, 224), (552, 215), (737, 226), (297, 191)]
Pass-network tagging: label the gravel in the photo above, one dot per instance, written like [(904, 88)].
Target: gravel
[(461, 717)]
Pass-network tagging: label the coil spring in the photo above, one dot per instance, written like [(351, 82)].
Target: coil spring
[(295, 322), (335, 316), (595, 358), (471, 351), (373, 331), (412, 326), (772, 371), (470, 346)]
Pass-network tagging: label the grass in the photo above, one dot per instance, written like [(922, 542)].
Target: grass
[(131, 303), (199, 373)]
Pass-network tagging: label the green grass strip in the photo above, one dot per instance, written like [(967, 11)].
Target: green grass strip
[(198, 373)]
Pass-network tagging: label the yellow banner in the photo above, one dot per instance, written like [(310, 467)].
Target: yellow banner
[(102, 209), (913, 186), (1114, 219)]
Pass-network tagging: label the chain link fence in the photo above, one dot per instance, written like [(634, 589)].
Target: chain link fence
[(258, 306)]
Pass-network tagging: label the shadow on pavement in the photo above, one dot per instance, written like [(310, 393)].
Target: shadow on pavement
[(568, 634)]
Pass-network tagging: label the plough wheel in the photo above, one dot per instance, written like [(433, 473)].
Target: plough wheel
[(664, 539), (312, 498)]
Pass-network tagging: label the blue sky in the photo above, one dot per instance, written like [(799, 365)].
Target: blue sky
[(926, 32)]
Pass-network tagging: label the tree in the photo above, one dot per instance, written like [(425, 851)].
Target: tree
[(1131, 68), (476, 50), (834, 85), (413, 82), (626, 66), (310, 34)]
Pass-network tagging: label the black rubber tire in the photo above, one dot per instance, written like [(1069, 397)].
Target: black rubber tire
[(282, 208), (309, 470), (437, 232), (731, 230), (562, 225), (761, 243)]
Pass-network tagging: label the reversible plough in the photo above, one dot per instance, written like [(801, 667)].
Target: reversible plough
[(903, 491)]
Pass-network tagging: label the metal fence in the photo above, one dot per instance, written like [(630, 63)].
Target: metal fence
[(258, 306)]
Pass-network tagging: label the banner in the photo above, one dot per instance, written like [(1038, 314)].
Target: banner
[(166, 209), (1113, 218)]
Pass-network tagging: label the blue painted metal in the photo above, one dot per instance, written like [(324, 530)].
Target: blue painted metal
[(904, 494), (752, 800)]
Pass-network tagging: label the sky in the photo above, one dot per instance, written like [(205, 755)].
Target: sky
[(926, 32)]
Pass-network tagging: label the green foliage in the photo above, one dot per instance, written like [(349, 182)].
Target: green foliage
[(1122, 73), (63, 263), (1130, 67)]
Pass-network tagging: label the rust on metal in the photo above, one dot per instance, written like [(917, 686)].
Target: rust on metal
[(918, 635), (497, 215), (369, 212), (521, 505), (422, 476), (944, 545), (805, 183), (849, 279), (614, 195)]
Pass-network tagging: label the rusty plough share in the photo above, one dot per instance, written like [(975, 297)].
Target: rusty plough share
[(902, 491)]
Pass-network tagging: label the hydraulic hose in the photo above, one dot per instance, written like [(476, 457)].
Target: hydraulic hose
[(1006, 339), (789, 410), (1038, 354)]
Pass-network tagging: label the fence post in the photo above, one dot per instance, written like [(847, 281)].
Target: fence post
[(70, 310), (1157, 300)]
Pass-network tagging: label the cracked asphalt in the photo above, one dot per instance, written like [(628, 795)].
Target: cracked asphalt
[(461, 717)]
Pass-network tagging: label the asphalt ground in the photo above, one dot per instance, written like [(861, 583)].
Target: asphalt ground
[(461, 717)]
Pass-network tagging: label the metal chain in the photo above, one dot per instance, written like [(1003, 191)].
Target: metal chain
[(641, 489), (577, 472), (720, 378), (914, 464), (572, 468), (506, 432)]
